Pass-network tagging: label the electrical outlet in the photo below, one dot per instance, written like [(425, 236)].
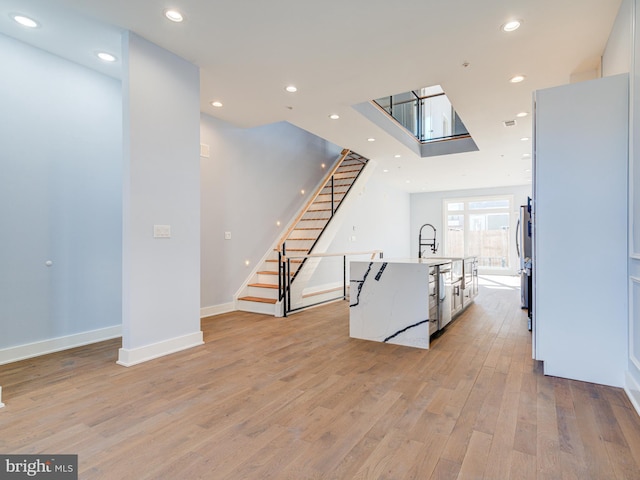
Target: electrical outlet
[(227, 235)]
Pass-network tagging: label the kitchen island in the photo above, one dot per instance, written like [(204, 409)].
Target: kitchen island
[(400, 301)]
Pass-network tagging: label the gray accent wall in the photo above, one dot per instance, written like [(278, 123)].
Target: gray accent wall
[(251, 180), (60, 197)]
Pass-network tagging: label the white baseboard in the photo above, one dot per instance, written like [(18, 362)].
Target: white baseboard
[(632, 389), (130, 357), (217, 309), (35, 349)]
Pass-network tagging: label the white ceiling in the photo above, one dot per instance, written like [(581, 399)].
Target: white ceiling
[(343, 52)]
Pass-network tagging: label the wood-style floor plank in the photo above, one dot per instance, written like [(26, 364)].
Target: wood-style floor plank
[(296, 398)]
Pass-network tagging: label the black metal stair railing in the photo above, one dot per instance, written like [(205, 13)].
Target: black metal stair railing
[(285, 278)]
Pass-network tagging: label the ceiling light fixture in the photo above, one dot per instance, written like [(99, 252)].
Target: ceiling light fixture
[(371, 139), (386, 170), (522, 114), (397, 155), (25, 21), (291, 89), (334, 116), (525, 139), (216, 104), (517, 79), (511, 26), (174, 15), (106, 57)]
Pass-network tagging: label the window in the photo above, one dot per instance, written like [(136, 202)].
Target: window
[(481, 227)]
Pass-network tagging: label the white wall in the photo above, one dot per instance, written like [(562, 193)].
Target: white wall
[(617, 54), (161, 276), (251, 180), (632, 385), (60, 201), (378, 219), (427, 208)]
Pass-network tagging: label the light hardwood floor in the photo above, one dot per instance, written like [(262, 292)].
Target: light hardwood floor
[(296, 398)]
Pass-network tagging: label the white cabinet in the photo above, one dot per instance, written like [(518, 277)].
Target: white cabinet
[(580, 230)]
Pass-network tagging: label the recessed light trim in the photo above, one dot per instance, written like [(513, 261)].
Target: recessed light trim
[(517, 78), (397, 155), (24, 20), (525, 139), (291, 88), (522, 114), (386, 170), (174, 15), (334, 116), (371, 139), (511, 26), (216, 104), (106, 57)]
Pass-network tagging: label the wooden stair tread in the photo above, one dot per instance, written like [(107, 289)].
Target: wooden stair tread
[(258, 299), (308, 228), (263, 285)]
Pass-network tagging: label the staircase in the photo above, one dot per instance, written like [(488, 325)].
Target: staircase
[(263, 292)]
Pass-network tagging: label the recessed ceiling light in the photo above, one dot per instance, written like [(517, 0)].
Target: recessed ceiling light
[(301, 192), (291, 89), (216, 104), (526, 155), (407, 181), (397, 155), (525, 139), (334, 116), (522, 114), (517, 79), (511, 25), (528, 170), (174, 15), (371, 139), (106, 57), (386, 170), (25, 21)]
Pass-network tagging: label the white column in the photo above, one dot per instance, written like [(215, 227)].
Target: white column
[(161, 203)]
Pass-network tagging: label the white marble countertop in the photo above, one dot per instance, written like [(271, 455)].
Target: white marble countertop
[(417, 261)]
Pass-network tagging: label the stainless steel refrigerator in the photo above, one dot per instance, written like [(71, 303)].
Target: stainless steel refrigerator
[(523, 247)]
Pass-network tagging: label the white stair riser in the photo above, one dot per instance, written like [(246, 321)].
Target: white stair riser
[(261, 292), (270, 279), (256, 307)]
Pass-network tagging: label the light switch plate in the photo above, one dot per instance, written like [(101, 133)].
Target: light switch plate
[(162, 231)]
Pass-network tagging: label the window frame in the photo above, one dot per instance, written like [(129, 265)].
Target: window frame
[(512, 260)]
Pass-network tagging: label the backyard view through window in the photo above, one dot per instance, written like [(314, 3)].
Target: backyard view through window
[(480, 227)]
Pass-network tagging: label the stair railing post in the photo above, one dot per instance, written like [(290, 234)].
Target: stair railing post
[(344, 277), (288, 309), (279, 275), (332, 177)]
